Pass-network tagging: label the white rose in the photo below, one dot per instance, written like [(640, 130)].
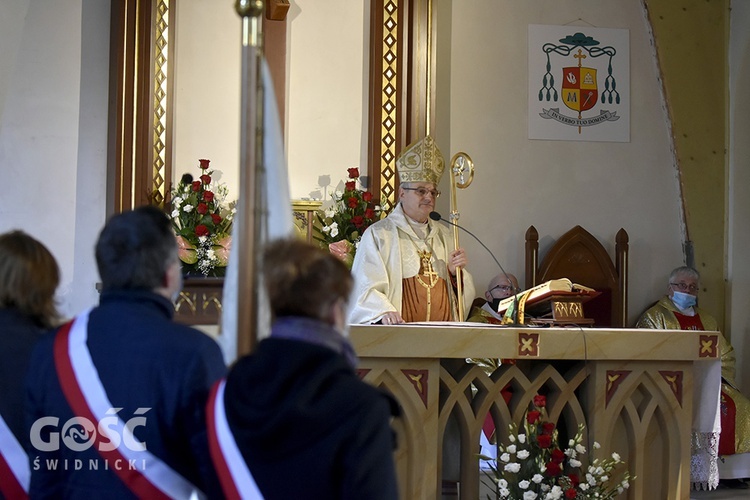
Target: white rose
[(584, 486), (604, 478), (524, 485), (522, 438), (538, 478), (504, 492), (330, 213), (188, 208), (523, 454), (615, 457), (502, 483), (175, 213), (574, 463), (505, 458), (597, 445), (511, 438), (514, 467), (529, 495), (580, 448), (511, 448)]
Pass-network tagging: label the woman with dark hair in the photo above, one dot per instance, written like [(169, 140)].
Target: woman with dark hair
[(29, 276), (298, 422)]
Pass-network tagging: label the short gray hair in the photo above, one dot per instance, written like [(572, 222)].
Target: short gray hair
[(686, 270)]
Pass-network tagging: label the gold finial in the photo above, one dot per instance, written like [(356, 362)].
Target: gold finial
[(249, 8)]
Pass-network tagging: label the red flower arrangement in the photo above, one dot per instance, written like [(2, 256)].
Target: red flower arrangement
[(341, 226), (534, 467), (202, 222)]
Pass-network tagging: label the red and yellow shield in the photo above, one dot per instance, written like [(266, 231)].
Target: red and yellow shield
[(579, 90)]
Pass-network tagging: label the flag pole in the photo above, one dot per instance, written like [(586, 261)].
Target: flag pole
[(251, 207)]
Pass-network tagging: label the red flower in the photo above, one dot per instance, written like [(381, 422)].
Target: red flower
[(570, 493), (349, 186), (206, 179), (369, 213), (208, 196), (216, 218), (353, 172), (553, 469), (202, 208), (204, 163), (533, 416), (352, 202), (548, 428), (544, 440), (196, 185), (201, 230), (367, 196), (358, 220), (540, 401), (557, 456), (574, 480)]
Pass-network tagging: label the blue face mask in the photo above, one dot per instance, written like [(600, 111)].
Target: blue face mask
[(683, 300)]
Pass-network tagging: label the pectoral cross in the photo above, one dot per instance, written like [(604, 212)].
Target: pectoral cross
[(427, 269)]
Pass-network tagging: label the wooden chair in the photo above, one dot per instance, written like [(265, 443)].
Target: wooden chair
[(579, 256)]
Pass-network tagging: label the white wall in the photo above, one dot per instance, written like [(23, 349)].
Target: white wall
[(555, 185), (53, 123), (738, 278), (327, 92), (207, 90)]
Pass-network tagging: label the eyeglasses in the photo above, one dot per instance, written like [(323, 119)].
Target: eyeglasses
[(504, 288), (684, 287), (422, 192)]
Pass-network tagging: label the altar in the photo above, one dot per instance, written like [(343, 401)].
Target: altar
[(632, 389)]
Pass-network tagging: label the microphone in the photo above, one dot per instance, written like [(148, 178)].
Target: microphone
[(437, 217)]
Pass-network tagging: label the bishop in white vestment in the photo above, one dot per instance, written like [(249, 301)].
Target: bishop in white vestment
[(404, 268)]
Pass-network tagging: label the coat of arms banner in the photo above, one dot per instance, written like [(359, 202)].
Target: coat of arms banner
[(579, 83)]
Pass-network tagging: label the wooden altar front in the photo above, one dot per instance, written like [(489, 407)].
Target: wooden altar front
[(633, 390)]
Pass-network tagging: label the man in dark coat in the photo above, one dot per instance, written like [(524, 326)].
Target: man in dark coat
[(115, 400)]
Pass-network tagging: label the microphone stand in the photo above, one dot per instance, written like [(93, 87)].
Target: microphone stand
[(514, 316)]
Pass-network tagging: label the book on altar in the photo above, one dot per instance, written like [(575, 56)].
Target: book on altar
[(560, 286)]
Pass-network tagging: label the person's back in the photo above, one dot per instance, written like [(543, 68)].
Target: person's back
[(29, 276), (154, 373), (305, 424)]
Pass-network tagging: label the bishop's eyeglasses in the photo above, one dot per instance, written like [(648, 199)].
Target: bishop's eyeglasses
[(422, 192), (684, 287)]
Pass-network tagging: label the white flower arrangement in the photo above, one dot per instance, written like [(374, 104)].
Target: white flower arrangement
[(533, 466)]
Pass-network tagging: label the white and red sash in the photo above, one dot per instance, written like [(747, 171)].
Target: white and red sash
[(15, 474), (236, 479), (87, 397)]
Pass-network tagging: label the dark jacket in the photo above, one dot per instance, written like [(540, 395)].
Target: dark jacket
[(18, 336), (308, 427), (144, 360)]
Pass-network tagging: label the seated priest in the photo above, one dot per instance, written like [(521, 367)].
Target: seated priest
[(404, 268), (485, 310), (678, 310)]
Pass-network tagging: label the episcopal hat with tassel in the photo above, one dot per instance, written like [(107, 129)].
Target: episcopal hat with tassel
[(421, 161)]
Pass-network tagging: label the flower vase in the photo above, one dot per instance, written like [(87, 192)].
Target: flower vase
[(344, 250)]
